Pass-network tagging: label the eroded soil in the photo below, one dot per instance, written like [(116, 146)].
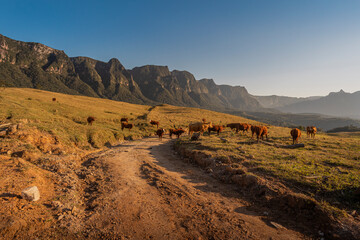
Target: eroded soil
[(151, 193)]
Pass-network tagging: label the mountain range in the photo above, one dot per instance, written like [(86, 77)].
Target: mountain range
[(337, 104), (35, 65)]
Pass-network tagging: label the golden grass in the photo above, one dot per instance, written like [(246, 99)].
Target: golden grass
[(66, 117), (327, 168)]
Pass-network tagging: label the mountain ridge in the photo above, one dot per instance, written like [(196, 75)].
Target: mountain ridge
[(35, 65), (338, 104)]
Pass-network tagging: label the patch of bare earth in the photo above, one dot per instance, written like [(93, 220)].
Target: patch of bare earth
[(137, 190), (148, 192)]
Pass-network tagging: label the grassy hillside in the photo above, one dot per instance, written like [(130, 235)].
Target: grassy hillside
[(66, 117), (327, 168)]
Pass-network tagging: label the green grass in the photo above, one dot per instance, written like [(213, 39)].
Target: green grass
[(328, 168)]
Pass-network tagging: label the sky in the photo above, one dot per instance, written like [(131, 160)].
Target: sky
[(292, 47)]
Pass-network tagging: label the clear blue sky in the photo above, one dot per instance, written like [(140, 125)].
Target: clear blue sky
[(290, 47)]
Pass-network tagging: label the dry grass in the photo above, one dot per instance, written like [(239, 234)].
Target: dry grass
[(328, 168), (66, 117)]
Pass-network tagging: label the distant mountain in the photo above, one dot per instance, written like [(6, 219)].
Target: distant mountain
[(340, 104), (181, 88), (275, 101), (34, 65)]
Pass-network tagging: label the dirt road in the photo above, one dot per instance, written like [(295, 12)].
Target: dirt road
[(151, 193)]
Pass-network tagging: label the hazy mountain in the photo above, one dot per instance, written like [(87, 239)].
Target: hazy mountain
[(34, 65), (181, 88), (275, 101), (339, 104)]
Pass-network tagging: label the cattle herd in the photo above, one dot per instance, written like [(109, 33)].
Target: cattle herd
[(203, 126)]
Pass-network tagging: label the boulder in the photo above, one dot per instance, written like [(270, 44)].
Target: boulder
[(31, 193)]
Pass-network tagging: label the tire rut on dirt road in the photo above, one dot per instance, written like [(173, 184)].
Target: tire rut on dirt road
[(151, 193)]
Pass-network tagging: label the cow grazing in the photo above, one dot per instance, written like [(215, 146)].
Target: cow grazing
[(253, 127), (311, 131), (152, 122), (160, 132), (178, 132), (295, 134), (90, 120), (235, 126), (199, 127), (124, 120), (264, 133), (260, 132), (54, 99), (244, 127), (126, 125), (216, 128)]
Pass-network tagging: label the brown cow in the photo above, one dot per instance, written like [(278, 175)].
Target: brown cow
[(235, 126), (295, 134), (178, 132), (244, 127), (152, 122), (90, 120), (253, 127), (199, 127), (124, 120), (264, 132), (54, 99), (160, 132), (216, 128), (311, 131), (203, 120), (126, 125), (260, 131)]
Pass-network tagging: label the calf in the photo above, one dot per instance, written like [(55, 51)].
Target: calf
[(90, 120), (160, 132), (126, 125), (178, 132), (311, 131), (124, 120), (295, 134), (152, 122), (216, 128)]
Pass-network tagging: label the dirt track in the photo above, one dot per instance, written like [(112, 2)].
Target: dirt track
[(151, 193)]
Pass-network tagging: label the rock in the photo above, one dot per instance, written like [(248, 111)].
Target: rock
[(209, 170), (224, 140), (276, 225), (56, 205), (31, 193), (19, 154)]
